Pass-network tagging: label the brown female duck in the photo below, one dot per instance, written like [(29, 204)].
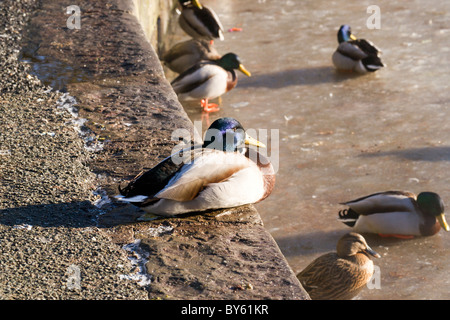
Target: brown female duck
[(340, 275), (184, 55)]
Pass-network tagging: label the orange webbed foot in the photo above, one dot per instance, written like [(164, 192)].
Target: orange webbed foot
[(209, 107), (212, 107)]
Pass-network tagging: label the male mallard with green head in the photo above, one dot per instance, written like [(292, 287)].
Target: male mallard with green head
[(221, 173), (208, 80), (354, 54), (184, 55), (200, 22), (340, 275), (400, 214)]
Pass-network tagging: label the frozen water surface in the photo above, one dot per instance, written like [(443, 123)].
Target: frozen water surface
[(344, 136)]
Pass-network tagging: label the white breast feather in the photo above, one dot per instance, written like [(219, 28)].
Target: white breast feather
[(393, 223)]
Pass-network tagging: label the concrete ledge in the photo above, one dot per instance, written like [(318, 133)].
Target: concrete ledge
[(116, 77)]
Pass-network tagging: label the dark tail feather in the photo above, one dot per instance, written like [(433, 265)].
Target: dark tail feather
[(128, 188), (348, 217), (372, 63), (122, 191)]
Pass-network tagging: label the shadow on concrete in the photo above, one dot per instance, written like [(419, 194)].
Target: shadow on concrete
[(84, 214), (80, 215), (75, 214), (433, 154)]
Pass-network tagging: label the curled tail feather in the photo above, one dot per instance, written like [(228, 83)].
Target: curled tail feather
[(348, 217)]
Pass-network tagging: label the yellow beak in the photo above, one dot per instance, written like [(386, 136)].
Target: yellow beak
[(244, 71), (353, 37), (443, 222), (253, 142), (197, 4)]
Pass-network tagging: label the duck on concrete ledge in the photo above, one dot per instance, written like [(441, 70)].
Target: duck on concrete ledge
[(220, 173)]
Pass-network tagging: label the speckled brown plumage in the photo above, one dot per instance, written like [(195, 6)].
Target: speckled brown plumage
[(339, 275), (185, 54)]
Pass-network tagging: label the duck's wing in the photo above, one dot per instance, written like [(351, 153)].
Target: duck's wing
[(201, 23), (193, 77), (211, 166), (383, 202), (351, 51), (316, 277), (216, 27), (316, 272), (373, 61), (180, 49), (366, 46), (148, 183)]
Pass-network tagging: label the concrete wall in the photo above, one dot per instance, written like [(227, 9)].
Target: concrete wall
[(155, 18)]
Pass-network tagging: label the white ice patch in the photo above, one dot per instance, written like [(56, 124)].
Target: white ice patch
[(27, 227), (138, 198), (138, 258), (68, 103), (102, 198), (157, 232)]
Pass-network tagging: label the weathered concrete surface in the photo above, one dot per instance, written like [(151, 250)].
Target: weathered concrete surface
[(118, 82), (119, 86), (50, 247), (223, 255)]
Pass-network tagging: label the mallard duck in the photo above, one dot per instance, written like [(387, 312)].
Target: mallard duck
[(221, 173), (354, 54), (340, 275), (199, 22), (208, 80), (396, 213), (185, 54)]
